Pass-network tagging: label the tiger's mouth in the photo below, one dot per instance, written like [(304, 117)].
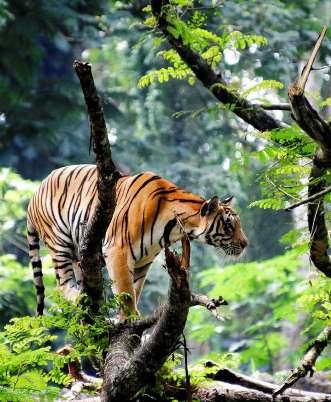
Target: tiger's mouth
[(235, 250)]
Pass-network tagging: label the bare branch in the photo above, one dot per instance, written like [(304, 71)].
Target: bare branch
[(314, 197), (301, 82), (308, 362), (306, 116), (90, 247)]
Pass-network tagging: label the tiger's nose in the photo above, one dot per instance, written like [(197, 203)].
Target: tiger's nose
[(243, 243)]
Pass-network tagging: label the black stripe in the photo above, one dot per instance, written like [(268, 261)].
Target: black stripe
[(144, 185), (63, 265), (131, 249), (34, 246), (137, 279), (161, 192), (192, 201), (40, 290), (66, 271), (167, 230), (155, 217), (36, 264), (142, 236), (211, 227), (66, 281), (40, 308), (37, 274), (125, 221)]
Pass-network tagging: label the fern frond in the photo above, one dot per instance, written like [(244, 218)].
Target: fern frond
[(262, 86), (268, 203)]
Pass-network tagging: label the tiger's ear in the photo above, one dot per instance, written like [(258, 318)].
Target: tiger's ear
[(228, 200), (210, 206)]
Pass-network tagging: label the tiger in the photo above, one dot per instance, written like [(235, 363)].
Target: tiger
[(143, 223)]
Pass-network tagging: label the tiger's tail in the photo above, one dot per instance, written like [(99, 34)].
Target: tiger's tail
[(33, 241)]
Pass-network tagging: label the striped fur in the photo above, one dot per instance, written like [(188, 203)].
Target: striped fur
[(144, 222)]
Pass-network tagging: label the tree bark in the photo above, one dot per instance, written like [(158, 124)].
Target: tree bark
[(129, 367), (91, 244), (320, 131)]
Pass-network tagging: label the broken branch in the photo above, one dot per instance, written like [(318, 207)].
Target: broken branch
[(210, 304), (301, 82), (320, 131)]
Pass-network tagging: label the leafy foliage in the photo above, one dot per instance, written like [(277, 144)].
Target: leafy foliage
[(29, 367), (15, 193), (245, 286), (178, 131)]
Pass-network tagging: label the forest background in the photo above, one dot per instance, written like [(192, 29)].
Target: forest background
[(164, 120)]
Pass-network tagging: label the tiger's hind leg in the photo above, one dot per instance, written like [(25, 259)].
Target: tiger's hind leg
[(64, 270)]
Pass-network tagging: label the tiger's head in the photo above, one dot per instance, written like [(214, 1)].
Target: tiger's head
[(220, 227)]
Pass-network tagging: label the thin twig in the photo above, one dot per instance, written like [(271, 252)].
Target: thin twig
[(187, 374), (309, 199), (279, 188)]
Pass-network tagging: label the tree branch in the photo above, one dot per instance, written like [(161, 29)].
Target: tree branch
[(319, 235), (314, 197), (126, 367), (251, 114), (301, 82), (280, 106), (320, 131), (210, 304), (227, 392), (308, 362), (90, 247), (306, 116)]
